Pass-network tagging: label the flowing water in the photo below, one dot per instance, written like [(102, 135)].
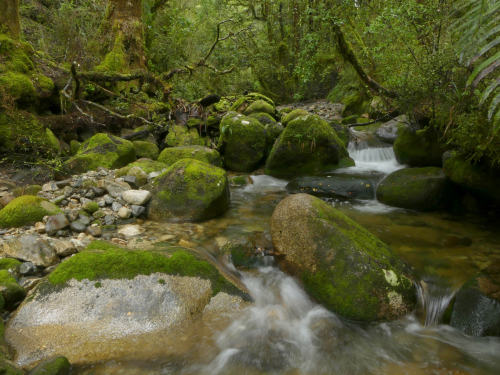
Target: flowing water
[(285, 332)]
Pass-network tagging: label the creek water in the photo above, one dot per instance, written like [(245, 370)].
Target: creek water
[(285, 332)]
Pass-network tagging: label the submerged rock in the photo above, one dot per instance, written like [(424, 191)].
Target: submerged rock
[(95, 310), (171, 155), (189, 190), (341, 264), (26, 210), (423, 189), (476, 310), (307, 146), (242, 141), (102, 150)]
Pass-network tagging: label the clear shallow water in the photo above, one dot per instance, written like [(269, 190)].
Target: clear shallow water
[(284, 332)]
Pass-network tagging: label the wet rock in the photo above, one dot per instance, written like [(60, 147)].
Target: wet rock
[(55, 223), (131, 230), (30, 248), (388, 132), (341, 264), (27, 268), (137, 197), (137, 210), (424, 189)]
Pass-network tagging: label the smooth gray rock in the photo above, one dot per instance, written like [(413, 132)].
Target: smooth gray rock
[(137, 197), (55, 223), (30, 248)]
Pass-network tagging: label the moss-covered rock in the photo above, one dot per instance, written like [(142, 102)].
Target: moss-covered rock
[(354, 104), (292, 115), (74, 146), (12, 292), (27, 190), (26, 210), (242, 142), (145, 149), (102, 150), (189, 190), (273, 131), (341, 264), (476, 310), (264, 118), (90, 207), (307, 146), (171, 155), (424, 189), (242, 103), (52, 366), (419, 148), (10, 264), (147, 165), (179, 135), (479, 179), (260, 106)]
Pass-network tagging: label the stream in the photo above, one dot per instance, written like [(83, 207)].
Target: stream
[(285, 332)]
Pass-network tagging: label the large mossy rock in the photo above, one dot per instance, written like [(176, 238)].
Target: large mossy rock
[(341, 264), (260, 106), (172, 155), (242, 142), (424, 189), (107, 301), (147, 165), (12, 293), (479, 179), (102, 150), (146, 149), (476, 310), (180, 135), (189, 190), (307, 146), (26, 210), (418, 148), (388, 132), (244, 102), (293, 115)]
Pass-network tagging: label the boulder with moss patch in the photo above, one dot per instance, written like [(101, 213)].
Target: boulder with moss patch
[(53, 366), (292, 115), (172, 155), (424, 189), (242, 142), (341, 264), (189, 190), (307, 146), (179, 135), (102, 150), (264, 118), (147, 165), (144, 296), (11, 291), (26, 210), (145, 149), (418, 148), (244, 102), (260, 106)]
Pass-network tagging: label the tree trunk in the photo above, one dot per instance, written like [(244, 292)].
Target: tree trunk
[(9, 18), (124, 18)]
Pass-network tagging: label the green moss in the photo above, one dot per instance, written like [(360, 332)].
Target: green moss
[(11, 291), (91, 207), (27, 190), (115, 60), (241, 104), (189, 190), (9, 264), (171, 155), (308, 145), (18, 86), (145, 149), (117, 263), (179, 135), (292, 115), (53, 366), (264, 118), (354, 104), (419, 148), (243, 141), (26, 210), (260, 106), (53, 141), (147, 165), (8, 369), (102, 150), (74, 146), (43, 83), (239, 180)]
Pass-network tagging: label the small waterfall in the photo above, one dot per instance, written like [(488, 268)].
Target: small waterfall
[(434, 299), (371, 154)]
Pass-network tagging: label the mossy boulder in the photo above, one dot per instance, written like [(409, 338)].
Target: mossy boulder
[(242, 142), (27, 190), (102, 150), (74, 146), (244, 102), (478, 178), (418, 148), (355, 103), (476, 310), (147, 165), (388, 132), (10, 264), (11, 291), (145, 149), (53, 366), (264, 118), (171, 155), (180, 135), (26, 210), (189, 190), (260, 106), (307, 146), (273, 131), (424, 189), (293, 115), (341, 264)]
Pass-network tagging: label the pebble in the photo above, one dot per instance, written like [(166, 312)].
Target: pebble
[(116, 206), (78, 226), (136, 197), (137, 210), (109, 219), (55, 223), (94, 230), (124, 212)]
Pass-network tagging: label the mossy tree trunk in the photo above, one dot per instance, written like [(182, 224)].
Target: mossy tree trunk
[(9, 18), (124, 20)]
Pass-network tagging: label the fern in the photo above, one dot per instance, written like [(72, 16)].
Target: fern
[(479, 28)]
